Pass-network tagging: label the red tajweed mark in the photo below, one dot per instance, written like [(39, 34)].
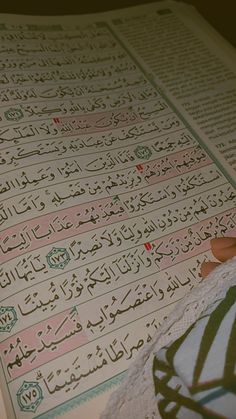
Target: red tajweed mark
[(139, 167), (148, 246), (56, 120)]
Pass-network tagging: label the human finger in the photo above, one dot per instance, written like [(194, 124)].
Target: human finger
[(223, 248), (208, 267)]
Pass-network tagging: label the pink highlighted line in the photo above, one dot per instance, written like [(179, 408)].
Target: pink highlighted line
[(97, 122), (174, 165), (42, 343), (192, 241), (56, 226)]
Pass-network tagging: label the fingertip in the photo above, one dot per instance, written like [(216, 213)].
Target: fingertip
[(207, 268), (222, 242)]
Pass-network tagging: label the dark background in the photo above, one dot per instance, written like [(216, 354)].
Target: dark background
[(220, 13)]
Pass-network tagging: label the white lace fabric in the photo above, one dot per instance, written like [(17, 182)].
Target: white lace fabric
[(135, 398)]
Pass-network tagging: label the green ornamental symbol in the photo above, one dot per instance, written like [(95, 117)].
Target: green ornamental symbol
[(143, 152), (58, 258), (29, 396), (8, 318), (14, 114)]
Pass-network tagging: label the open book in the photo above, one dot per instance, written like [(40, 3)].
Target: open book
[(118, 159)]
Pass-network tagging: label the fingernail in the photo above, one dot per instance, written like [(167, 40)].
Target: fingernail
[(223, 242)]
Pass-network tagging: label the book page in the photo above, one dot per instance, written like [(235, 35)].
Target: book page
[(194, 65), (108, 202)]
